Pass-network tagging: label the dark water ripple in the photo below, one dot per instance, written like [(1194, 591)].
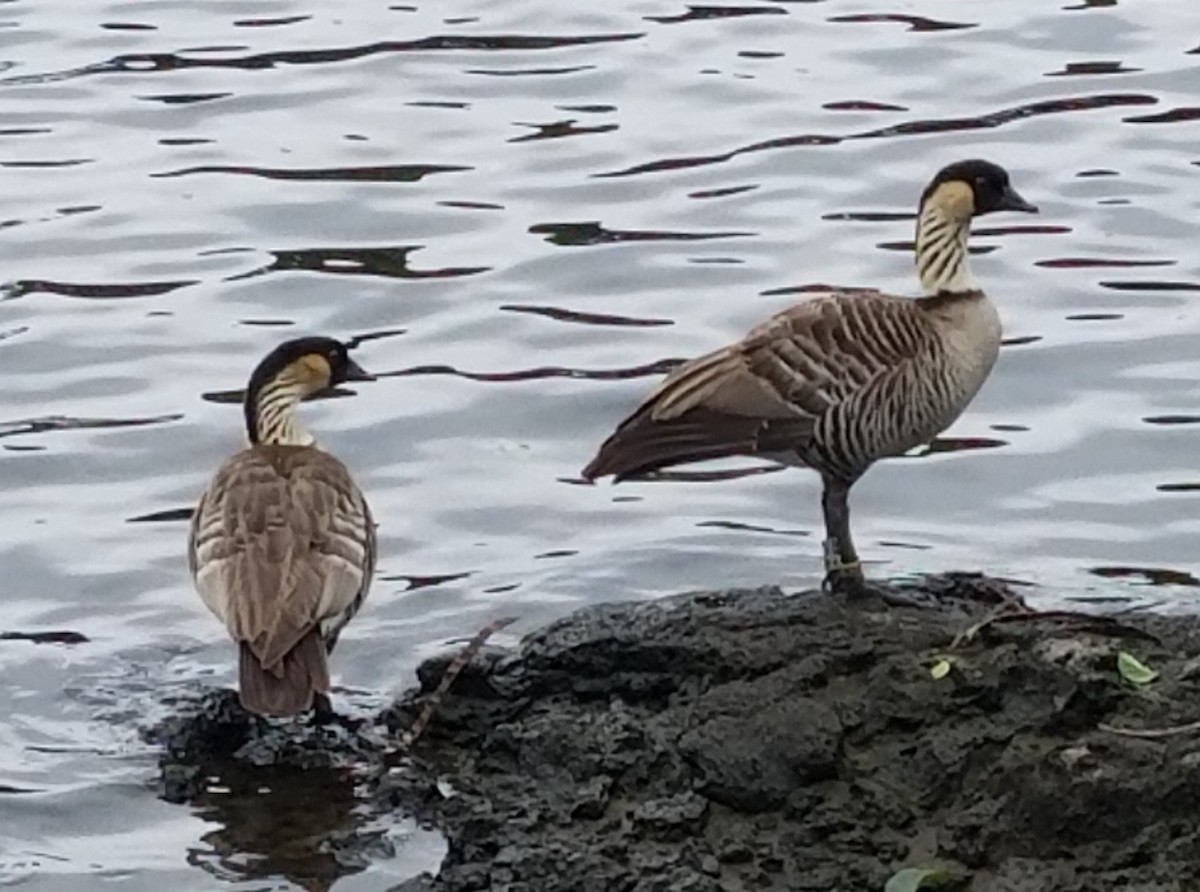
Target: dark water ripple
[(660, 367), (559, 129), (909, 128), (593, 233), (54, 637), (184, 98), (1174, 116), (544, 200), (92, 291), (64, 423), (703, 13), (271, 22), (1073, 69), (1099, 263), (1151, 286), (561, 314), (141, 63), (393, 173), (914, 22), (1172, 419), (530, 72), (862, 105), (387, 262)]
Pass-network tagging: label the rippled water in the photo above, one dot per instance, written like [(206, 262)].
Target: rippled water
[(526, 209)]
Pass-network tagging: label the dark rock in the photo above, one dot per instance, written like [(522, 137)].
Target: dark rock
[(212, 730), (753, 759), (738, 741), (591, 799), (753, 740), (421, 883), (673, 819)]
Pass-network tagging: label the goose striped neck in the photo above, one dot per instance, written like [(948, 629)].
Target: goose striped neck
[(942, 258), (271, 412)]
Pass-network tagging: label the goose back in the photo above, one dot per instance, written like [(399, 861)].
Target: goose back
[(282, 544)]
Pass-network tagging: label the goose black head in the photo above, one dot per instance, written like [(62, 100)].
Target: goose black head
[(316, 363), (303, 366), (970, 188)]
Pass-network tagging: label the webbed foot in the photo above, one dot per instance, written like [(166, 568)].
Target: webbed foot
[(847, 579)]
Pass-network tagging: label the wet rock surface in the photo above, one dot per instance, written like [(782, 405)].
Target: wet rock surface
[(744, 740), (211, 735), (292, 798), (752, 740)]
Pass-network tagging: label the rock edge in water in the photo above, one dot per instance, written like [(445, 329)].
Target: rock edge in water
[(755, 740)]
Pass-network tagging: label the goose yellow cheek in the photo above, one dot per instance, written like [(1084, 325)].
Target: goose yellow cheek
[(315, 368), (955, 198)]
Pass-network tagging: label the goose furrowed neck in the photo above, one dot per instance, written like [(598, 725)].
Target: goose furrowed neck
[(271, 418), (941, 253)]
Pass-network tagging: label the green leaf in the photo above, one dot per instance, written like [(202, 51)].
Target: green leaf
[(1134, 670), (940, 668), (910, 879)]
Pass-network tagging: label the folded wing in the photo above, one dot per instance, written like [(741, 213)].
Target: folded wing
[(787, 387), (282, 551)]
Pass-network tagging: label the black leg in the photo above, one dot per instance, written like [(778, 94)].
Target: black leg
[(323, 713), (843, 571)]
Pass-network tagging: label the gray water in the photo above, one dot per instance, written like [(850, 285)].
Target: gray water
[(531, 205)]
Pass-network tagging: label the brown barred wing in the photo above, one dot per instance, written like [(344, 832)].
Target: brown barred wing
[(771, 392)]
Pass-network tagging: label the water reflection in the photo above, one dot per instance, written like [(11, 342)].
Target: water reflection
[(274, 822)]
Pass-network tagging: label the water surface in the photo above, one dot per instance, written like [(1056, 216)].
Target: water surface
[(530, 208)]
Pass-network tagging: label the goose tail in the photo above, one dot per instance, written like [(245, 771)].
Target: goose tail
[(287, 687)]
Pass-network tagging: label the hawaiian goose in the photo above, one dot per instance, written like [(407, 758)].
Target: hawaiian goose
[(282, 544), (841, 380)]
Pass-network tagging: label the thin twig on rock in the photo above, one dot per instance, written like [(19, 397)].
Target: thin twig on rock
[(460, 661), (997, 613), (1151, 733), (1090, 622)]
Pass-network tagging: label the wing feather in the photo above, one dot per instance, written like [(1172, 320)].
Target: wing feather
[(774, 390), (282, 543)]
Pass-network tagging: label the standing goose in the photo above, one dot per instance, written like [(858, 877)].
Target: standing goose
[(841, 380), (282, 544)]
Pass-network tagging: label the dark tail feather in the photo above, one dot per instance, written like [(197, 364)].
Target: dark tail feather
[(641, 445), (286, 688)]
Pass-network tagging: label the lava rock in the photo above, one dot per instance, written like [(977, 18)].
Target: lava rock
[(756, 740)]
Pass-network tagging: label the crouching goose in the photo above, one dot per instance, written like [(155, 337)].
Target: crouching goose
[(840, 380), (282, 544)]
